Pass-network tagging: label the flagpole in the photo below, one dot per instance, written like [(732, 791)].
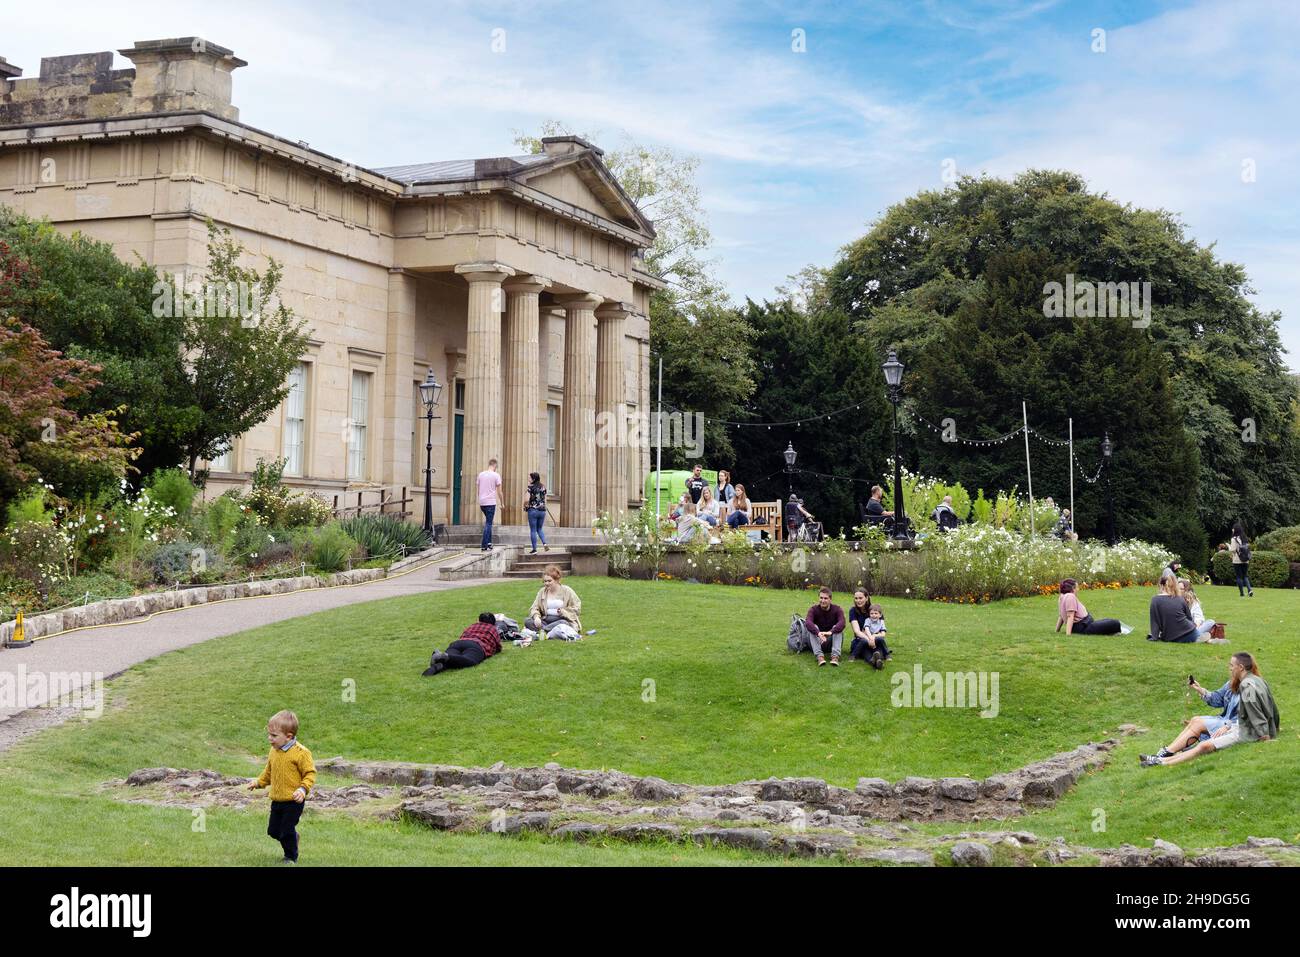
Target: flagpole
[(659, 443), (1024, 411), (1072, 473)]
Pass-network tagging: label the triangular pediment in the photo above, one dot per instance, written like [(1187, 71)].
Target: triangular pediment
[(586, 182)]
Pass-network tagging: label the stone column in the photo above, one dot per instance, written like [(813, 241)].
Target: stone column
[(578, 444), (399, 374), (522, 388), (611, 410), (483, 413)]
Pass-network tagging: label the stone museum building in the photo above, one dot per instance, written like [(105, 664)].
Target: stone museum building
[(517, 280)]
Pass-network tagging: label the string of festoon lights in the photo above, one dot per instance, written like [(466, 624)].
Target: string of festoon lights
[(1002, 439), (807, 419)]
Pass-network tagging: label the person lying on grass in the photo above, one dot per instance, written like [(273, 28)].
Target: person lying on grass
[(1257, 716), (476, 644), (1071, 613), (826, 622), (868, 623)]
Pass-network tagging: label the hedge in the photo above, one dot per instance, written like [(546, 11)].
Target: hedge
[(1267, 569), (1284, 540)]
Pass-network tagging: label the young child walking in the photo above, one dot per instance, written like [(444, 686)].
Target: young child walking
[(291, 774)]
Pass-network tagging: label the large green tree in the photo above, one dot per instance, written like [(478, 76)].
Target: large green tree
[(907, 278), (999, 349), (89, 305), (809, 363)]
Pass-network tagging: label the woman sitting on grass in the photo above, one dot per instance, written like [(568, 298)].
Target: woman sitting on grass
[(1071, 613), (1171, 619), (1201, 727), (555, 604), (868, 624), (1257, 716), (1204, 626)]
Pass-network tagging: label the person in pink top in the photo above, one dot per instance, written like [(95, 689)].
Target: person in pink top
[(489, 491), (1077, 621)]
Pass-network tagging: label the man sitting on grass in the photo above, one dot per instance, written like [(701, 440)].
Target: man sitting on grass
[(476, 644), (826, 622), (1257, 716)]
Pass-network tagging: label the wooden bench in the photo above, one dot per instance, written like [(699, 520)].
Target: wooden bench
[(766, 517)]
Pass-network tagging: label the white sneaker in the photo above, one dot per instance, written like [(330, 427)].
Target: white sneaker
[(1124, 629)]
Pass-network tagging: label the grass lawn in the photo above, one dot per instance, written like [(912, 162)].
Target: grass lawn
[(728, 703)]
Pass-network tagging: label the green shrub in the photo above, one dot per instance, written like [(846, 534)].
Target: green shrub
[(1269, 569), (217, 521), (304, 511), (382, 536), (39, 552), (18, 594), (31, 506), (178, 561), (173, 488), (1284, 540), (332, 547), (98, 585)]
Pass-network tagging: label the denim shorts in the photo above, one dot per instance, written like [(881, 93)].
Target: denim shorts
[(1212, 724)]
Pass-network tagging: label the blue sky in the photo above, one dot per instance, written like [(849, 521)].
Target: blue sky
[(799, 151)]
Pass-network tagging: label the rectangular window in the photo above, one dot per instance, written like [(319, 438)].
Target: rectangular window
[(358, 422), (295, 421), (223, 462), (552, 482)]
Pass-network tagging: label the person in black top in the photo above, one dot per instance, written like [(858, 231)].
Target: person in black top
[(1170, 618), (945, 516), (868, 639), (695, 485), (535, 506), (875, 510)]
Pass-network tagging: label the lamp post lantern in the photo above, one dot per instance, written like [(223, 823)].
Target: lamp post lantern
[(430, 393), (1107, 447), (789, 454), (893, 370)]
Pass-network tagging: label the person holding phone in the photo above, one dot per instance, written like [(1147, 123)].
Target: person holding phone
[(1257, 715), (1201, 727)]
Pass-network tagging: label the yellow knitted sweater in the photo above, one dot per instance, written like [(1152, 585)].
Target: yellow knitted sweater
[(286, 771)]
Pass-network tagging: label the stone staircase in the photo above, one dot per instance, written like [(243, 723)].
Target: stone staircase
[(531, 566)]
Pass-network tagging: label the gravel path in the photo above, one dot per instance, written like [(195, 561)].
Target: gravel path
[(76, 658)]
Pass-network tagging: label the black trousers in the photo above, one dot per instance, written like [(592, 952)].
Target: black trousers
[(1242, 571), (284, 825), (1096, 626), (859, 649), (464, 653)]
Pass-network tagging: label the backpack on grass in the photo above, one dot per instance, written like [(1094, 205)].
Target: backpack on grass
[(800, 638)]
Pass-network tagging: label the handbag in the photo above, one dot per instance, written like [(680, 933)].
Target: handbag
[(1217, 630)]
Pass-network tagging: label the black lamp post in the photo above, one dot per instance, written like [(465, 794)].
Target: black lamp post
[(430, 392), (1107, 447), (894, 389), (789, 454)]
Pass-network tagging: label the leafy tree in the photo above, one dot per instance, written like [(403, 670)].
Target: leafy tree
[(807, 364), (88, 304), (999, 349), (237, 366), (40, 436), (907, 278)]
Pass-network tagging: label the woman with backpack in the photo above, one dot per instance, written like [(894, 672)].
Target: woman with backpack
[(1239, 548)]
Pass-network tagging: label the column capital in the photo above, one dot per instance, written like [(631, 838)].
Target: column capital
[(613, 309), (582, 300), (485, 271), (524, 282)]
